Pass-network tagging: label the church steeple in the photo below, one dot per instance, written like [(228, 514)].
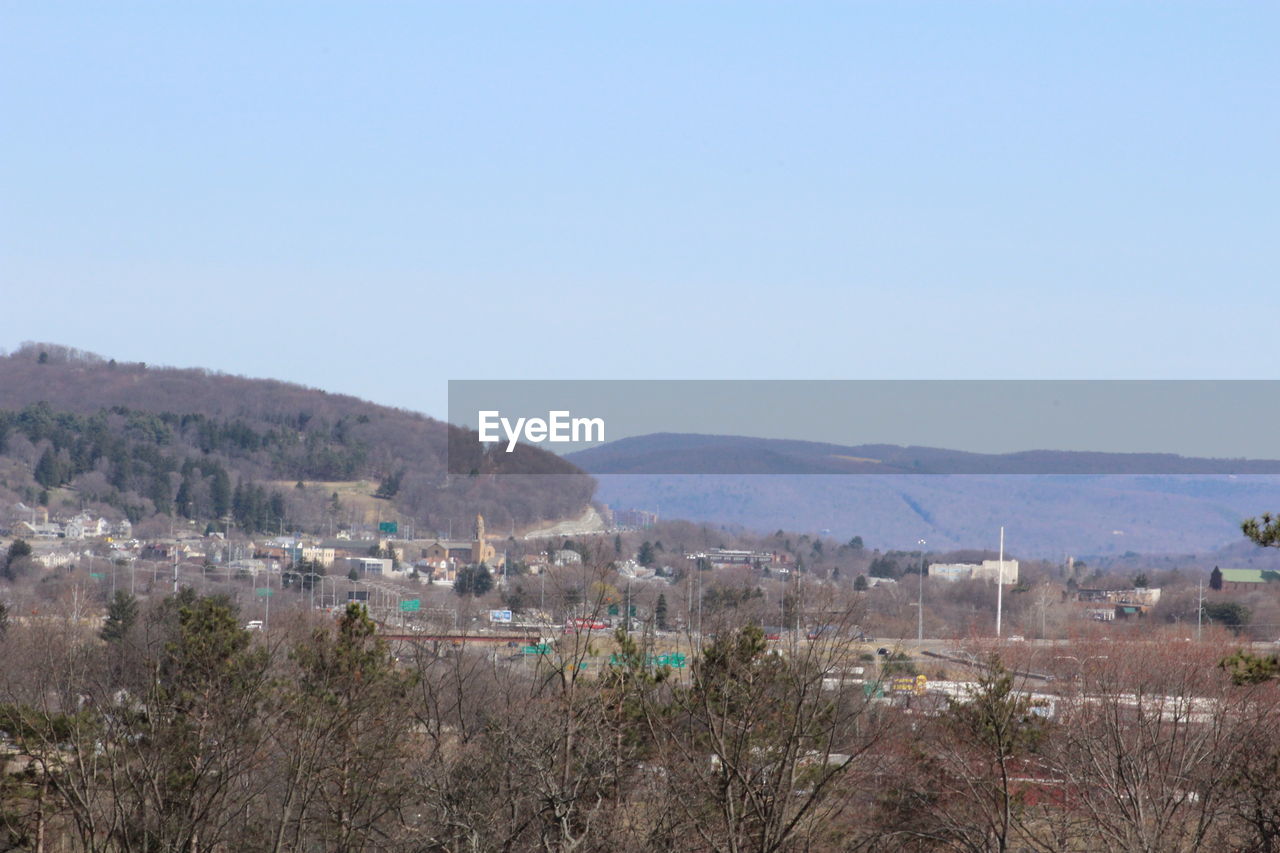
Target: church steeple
[(479, 552)]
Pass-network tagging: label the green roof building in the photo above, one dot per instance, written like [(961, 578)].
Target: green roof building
[(1245, 578)]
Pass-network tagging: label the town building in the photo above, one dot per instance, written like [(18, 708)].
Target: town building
[(1242, 579), (987, 570), (442, 558)]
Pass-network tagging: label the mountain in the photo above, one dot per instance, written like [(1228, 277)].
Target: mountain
[(686, 453), (1052, 503), (79, 430)]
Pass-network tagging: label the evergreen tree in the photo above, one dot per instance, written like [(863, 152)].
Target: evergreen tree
[(200, 727), (183, 502), (390, 485), (1248, 668), (220, 492), (646, 555), (48, 472), (276, 506), (122, 613), (473, 580), (1232, 614), (660, 612), (1264, 530), (161, 493), (1215, 578), (993, 727), (19, 549), (883, 567), (348, 765)]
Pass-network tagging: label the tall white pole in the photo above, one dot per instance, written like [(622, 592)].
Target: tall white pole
[(1200, 611), (1000, 586), (920, 601)]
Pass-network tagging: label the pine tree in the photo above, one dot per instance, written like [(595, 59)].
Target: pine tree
[(122, 613), (182, 503), (473, 580), (48, 473), (347, 768), (160, 492), (220, 492), (199, 729), (390, 485), (1264, 530), (18, 549), (660, 612), (646, 555)]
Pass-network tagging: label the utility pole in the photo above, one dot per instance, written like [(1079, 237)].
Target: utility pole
[(1000, 586), (920, 603), (1200, 611), (688, 602), (699, 570)]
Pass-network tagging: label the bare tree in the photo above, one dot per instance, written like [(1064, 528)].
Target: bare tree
[(759, 743)]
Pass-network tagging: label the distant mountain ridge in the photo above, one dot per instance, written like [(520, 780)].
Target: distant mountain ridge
[(1052, 502), (690, 453)]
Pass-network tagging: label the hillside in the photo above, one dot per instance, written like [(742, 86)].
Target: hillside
[(685, 453), (1157, 507), (77, 430)]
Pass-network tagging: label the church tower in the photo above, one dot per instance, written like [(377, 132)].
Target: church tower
[(477, 547)]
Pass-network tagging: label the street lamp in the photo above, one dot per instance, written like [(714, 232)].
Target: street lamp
[(1080, 662), (920, 604)]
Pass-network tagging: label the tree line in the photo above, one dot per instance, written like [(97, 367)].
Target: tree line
[(171, 727)]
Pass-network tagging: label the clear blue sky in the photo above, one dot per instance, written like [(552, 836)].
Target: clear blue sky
[(377, 197)]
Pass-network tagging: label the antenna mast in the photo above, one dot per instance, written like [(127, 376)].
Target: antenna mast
[(1000, 586)]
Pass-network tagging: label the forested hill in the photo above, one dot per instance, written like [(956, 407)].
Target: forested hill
[(78, 430)]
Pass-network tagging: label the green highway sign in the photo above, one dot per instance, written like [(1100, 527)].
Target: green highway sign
[(388, 527), (97, 575), (674, 660), (412, 605), (263, 592)]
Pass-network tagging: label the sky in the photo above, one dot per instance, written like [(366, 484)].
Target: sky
[(376, 198)]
